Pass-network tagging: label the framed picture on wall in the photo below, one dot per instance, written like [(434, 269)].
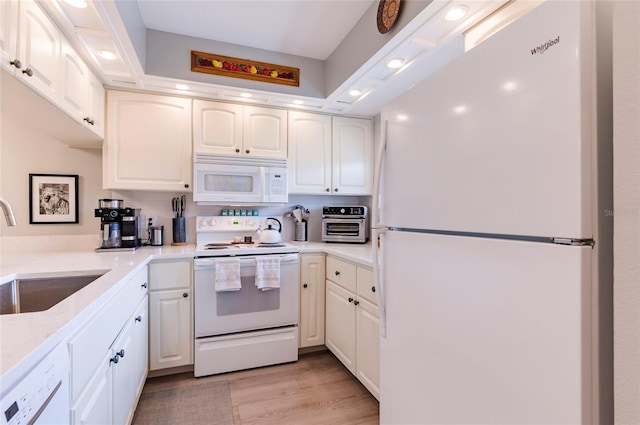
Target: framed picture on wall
[(53, 198)]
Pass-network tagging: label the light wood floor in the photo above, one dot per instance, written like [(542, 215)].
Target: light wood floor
[(316, 389)]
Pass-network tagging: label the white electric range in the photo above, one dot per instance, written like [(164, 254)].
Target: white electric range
[(239, 323)]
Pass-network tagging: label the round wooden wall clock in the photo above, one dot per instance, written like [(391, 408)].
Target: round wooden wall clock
[(387, 14)]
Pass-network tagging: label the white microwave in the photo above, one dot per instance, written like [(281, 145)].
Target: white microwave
[(232, 182)]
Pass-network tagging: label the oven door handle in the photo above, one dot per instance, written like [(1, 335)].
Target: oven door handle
[(209, 263)]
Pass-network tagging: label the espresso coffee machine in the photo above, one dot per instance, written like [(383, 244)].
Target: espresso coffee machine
[(119, 226)]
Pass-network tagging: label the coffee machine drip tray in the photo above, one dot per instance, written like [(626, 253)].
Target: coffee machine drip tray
[(119, 249)]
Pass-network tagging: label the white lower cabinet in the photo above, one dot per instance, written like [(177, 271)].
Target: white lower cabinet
[(312, 300), (109, 358), (352, 321), (170, 315)]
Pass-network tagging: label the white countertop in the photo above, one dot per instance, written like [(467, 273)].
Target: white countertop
[(25, 338)]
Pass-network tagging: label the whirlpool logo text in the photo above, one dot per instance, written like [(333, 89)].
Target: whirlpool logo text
[(544, 46)]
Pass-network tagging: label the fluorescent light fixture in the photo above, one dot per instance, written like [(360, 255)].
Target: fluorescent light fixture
[(107, 54), (355, 92), (246, 95), (298, 102), (79, 4), (456, 13), (182, 87), (395, 63)]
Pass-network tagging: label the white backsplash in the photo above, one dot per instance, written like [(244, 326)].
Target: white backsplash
[(50, 243), (157, 205)]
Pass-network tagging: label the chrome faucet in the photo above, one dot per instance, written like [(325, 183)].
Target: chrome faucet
[(8, 212)]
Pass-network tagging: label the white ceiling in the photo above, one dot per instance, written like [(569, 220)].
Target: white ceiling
[(309, 28)]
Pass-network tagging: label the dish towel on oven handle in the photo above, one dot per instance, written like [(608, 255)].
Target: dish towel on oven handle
[(268, 273), (227, 275)]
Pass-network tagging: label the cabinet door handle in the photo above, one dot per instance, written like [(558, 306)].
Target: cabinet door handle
[(335, 190), (186, 186), (16, 63), (237, 150), (356, 302), (305, 286), (350, 299), (328, 190), (121, 353), (114, 359), (185, 295), (28, 71), (337, 273), (247, 151), (373, 289), (139, 319), (144, 285), (89, 120)]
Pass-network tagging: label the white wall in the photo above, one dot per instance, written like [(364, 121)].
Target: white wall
[(626, 92), (28, 144)]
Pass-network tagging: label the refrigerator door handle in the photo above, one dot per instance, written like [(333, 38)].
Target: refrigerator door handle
[(378, 277), (377, 178)]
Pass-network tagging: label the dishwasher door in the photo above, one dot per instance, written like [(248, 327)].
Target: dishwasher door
[(42, 395)]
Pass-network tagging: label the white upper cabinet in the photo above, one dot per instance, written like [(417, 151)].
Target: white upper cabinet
[(38, 49), (34, 51), (230, 129), (81, 93), (330, 155), (8, 33), (217, 127), (148, 143), (265, 132), (352, 152), (309, 153)]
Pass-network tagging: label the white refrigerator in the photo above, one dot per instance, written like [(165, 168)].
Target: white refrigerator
[(493, 263)]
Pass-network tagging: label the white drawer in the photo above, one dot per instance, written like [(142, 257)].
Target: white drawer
[(342, 273), (366, 288), (170, 275)]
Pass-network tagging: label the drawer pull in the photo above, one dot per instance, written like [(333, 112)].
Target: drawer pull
[(337, 273), (350, 299), (139, 319)]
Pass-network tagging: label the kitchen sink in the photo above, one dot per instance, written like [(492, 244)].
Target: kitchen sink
[(39, 294)]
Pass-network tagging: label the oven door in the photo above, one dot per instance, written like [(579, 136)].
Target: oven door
[(229, 183), (250, 308), (343, 230)]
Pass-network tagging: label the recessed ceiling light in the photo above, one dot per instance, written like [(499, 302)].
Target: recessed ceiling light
[(298, 102), (106, 54), (355, 92), (80, 4), (460, 109), (395, 63), (182, 87), (247, 95), (456, 13)]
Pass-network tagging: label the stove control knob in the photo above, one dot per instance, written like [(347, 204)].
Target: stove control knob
[(341, 210)]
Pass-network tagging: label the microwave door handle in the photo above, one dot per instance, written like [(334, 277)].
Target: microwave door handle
[(264, 177)]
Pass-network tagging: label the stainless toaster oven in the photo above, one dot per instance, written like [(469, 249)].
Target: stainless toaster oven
[(348, 224)]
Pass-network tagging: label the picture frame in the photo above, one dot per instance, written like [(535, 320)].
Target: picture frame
[(53, 198), (210, 63)]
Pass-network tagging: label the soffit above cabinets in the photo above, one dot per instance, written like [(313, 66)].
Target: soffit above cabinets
[(425, 44)]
